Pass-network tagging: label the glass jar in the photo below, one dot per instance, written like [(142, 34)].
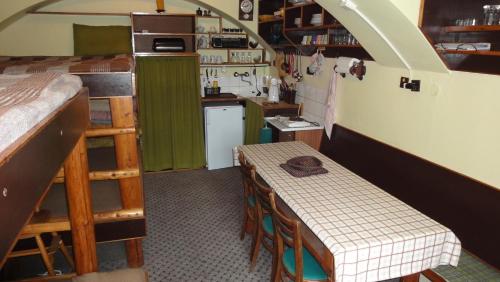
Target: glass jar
[(491, 13), (496, 17)]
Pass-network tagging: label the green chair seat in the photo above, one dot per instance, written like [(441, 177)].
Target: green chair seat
[(251, 201), (312, 269), (267, 223)]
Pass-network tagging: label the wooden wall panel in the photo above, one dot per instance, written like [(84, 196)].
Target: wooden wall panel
[(468, 207)]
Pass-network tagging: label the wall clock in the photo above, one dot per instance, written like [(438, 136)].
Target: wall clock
[(246, 10)]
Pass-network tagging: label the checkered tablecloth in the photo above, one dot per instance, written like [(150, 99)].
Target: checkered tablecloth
[(372, 235)]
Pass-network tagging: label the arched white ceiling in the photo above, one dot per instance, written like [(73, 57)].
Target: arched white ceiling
[(400, 43)]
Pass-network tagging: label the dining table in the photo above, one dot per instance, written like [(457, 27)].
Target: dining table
[(369, 234)]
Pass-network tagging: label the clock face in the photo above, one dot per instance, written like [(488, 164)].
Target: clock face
[(246, 10), (246, 6)]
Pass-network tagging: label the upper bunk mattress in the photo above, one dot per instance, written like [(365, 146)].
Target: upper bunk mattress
[(25, 100), (74, 65)]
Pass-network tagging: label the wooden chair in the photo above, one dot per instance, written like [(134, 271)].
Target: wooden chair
[(47, 253), (296, 261), (247, 171), (264, 224)]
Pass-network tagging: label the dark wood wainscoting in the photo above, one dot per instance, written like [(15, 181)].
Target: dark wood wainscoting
[(470, 208)]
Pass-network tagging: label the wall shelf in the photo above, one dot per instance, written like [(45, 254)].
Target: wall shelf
[(436, 22), (312, 27), (265, 64), (299, 5), (276, 19), (237, 49), (292, 35), (333, 46), (471, 52), (474, 28), (162, 33)]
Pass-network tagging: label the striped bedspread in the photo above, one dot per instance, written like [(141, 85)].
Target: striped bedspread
[(74, 65), (25, 100)]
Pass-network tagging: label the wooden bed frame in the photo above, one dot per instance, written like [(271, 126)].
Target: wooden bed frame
[(28, 167), (129, 223)]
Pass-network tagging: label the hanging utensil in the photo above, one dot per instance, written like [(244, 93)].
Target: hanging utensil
[(285, 66), (208, 79)]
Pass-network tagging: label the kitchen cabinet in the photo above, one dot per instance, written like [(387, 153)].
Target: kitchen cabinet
[(461, 22)]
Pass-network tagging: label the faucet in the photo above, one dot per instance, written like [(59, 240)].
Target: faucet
[(241, 75)]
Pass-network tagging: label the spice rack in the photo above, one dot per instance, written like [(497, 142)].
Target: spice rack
[(437, 22)]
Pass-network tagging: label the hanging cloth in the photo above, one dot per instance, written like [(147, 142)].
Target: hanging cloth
[(330, 105), (254, 121), (170, 113)]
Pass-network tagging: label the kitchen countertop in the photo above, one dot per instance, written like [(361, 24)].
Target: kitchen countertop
[(282, 127), (262, 101)]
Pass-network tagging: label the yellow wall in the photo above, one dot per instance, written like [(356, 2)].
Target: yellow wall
[(53, 35)]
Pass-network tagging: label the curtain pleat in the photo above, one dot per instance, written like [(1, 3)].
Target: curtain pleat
[(254, 121), (170, 113)]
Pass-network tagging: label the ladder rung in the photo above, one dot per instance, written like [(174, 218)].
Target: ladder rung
[(62, 223), (103, 175), (108, 131)]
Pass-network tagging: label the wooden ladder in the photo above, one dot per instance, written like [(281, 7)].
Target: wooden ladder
[(127, 162)]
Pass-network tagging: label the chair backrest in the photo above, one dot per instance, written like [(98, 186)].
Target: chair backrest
[(287, 232), (247, 170), (263, 201)]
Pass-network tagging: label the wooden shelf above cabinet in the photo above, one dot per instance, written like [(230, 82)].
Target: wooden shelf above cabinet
[(472, 28)]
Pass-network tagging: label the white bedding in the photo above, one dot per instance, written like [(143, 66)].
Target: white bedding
[(18, 116)]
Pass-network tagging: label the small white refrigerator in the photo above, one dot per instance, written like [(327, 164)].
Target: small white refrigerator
[(223, 132)]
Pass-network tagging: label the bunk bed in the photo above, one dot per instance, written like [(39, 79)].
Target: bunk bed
[(43, 118), (110, 79)]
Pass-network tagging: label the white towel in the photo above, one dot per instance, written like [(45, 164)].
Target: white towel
[(330, 105)]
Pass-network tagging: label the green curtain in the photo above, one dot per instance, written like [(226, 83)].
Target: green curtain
[(170, 113), (254, 121)]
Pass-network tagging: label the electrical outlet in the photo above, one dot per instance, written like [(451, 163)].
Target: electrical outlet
[(415, 85)]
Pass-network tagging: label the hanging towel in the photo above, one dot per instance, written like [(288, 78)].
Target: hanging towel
[(330, 105)]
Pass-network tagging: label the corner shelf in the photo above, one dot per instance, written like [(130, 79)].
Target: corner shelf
[(294, 34), (435, 14)]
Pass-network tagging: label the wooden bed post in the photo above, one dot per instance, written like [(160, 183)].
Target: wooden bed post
[(122, 114), (80, 208)]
